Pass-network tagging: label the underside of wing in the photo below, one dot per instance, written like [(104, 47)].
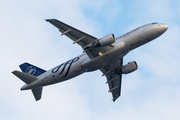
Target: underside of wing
[(74, 34), (114, 80), (85, 40)]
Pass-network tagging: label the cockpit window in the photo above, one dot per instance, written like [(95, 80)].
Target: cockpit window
[(154, 23)]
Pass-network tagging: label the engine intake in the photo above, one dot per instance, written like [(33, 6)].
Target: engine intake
[(107, 40)]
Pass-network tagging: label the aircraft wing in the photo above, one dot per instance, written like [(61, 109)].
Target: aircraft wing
[(83, 39), (114, 81)]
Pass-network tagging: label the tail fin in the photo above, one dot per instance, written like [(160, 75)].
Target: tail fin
[(37, 92), (31, 69)]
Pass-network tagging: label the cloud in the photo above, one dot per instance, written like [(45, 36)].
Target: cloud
[(27, 37)]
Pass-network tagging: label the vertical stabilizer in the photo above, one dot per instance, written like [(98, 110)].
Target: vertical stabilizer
[(31, 69)]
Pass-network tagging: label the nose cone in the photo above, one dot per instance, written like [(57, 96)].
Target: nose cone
[(161, 28), (158, 29), (165, 26)]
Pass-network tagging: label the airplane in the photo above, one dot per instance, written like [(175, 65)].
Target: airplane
[(104, 54)]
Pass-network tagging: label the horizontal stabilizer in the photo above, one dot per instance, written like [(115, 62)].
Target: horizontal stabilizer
[(37, 92), (25, 77)]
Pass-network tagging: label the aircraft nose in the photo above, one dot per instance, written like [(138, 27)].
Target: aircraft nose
[(162, 28), (165, 26)]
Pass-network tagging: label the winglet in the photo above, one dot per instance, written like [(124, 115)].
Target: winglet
[(47, 20)]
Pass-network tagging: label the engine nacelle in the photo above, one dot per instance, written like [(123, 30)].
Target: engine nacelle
[(130, 67), (107, 40)]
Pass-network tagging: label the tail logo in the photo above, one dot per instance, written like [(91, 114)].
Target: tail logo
[(31, 70)]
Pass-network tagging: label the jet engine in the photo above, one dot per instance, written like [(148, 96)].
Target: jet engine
[(107, 40), (128, 68)]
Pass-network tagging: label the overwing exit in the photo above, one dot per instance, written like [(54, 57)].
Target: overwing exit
[(104, 54)]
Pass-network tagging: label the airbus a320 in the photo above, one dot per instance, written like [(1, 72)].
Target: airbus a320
[(104, 54)]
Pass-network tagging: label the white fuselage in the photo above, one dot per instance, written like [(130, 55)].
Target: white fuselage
[(83, 63)]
